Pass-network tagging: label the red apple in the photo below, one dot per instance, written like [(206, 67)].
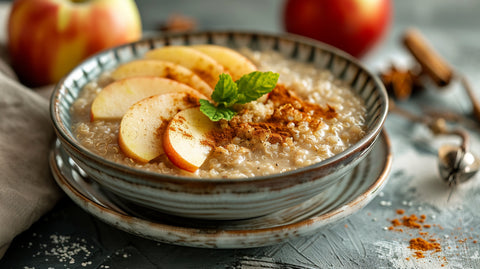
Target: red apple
[(354, 26), (47, 38)]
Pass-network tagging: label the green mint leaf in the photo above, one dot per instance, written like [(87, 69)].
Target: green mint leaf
[(252, 86), (216, 113), (226, 91)]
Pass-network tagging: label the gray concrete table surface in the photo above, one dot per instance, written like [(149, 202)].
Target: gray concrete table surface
[(68, 237)]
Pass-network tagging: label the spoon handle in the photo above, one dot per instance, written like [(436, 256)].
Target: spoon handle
[(475, 103), (464, 137), (436, 125), (407, 114)]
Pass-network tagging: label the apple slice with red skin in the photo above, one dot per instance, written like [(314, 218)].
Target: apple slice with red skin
[(200, 63), (163, 69), (115, 99), (143, 125), (186, 141), (232, 61)]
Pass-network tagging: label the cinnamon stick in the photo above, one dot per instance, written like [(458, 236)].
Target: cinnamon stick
[(432, 64)]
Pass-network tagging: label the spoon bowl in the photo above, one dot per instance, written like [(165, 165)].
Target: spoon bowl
[(457, 165)]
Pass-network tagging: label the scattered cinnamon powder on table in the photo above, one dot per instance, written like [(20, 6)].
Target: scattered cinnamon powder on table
[(411, 221), (421, 244), (424, 243)]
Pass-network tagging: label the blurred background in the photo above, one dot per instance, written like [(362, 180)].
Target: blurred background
[(451, 26), (447, 17), (266, 14)]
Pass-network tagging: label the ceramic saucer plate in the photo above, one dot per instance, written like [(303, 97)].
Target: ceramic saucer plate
[(341, 200)]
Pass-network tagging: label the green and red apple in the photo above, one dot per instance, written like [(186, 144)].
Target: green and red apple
[(47, 38)]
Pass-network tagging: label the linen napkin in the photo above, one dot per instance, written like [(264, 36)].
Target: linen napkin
[(27, 189)]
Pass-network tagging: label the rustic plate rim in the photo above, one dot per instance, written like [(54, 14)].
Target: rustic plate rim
[(226, 239)]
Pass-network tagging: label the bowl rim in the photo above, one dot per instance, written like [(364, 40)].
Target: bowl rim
[(326, 164)]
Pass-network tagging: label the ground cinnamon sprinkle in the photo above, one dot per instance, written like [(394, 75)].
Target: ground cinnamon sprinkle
[(411, 222), (418, 244), (288, 108), (396, 222), (424, 245), (281, 96), (418, 254), (407, 221)]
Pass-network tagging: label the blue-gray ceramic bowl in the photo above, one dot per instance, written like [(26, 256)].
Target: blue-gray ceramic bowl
[(222, 199)]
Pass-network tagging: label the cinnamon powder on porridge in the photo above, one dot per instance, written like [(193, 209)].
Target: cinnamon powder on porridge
[(288, 108)]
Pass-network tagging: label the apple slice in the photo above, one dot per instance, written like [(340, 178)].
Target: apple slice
[(162, 69), (234, 63), (114, 100), (143, 125), (200, 63), (186, 141)]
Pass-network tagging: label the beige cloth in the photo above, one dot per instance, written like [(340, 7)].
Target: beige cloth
[(27, 189)]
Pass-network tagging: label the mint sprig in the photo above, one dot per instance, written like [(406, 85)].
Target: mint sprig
[(227, 93), (216, 113)]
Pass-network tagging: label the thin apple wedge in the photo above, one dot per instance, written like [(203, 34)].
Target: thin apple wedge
[(234, 63), (186, 141), (200, 63), (163, 69), (114, 100), (143, 125)]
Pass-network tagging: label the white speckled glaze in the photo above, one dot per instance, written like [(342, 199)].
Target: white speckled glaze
[(222, 199), (339, 201)]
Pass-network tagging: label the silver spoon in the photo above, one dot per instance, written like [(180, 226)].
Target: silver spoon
[(456, 163)]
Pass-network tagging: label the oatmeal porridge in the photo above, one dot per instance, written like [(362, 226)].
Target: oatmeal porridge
[(308, 117)]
